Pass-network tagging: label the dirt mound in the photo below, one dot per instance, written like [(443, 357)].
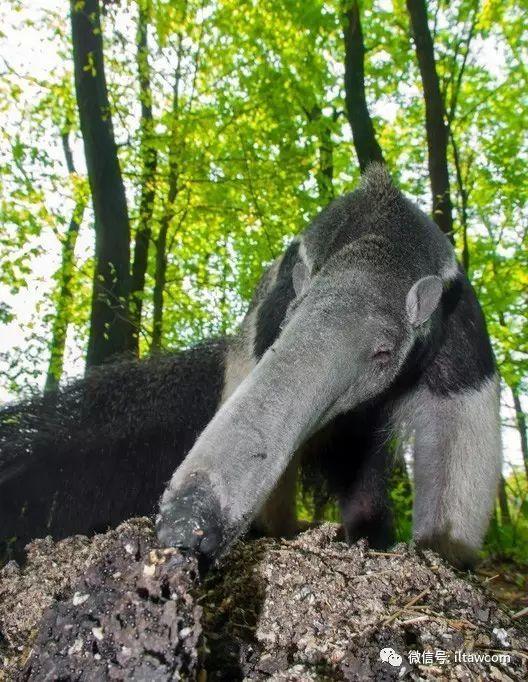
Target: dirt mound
[(115, 607)]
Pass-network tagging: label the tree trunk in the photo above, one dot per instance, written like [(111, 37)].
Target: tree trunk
[(160, 276), (325, 172), (463, 206), (437, 132), (62, 314), (149, 159), (503, 503), (160, 279), (520, 418), (110, 328), (365, 143), (325, 162)]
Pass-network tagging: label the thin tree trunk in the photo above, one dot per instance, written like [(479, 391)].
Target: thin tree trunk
[(463, 206), (325, 172), (319, 508), (110, 328), (149, 158), (456, 80), (436, 128), (400, 473), (63, 310), (365, 143), (503, 503), (520, 418), (160, 275), (325, 162), (160, 280)]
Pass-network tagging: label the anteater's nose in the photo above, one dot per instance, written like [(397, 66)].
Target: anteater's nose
[(191, 519)]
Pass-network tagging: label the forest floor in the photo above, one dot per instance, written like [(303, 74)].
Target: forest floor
[(117, 607), (507, 580)]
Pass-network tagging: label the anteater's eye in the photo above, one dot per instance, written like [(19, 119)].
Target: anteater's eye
[(382, 355)]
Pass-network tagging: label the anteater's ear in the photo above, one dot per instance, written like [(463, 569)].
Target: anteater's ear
[(300, 278), (422, 299)]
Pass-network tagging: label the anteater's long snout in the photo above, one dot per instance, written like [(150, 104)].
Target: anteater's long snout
[(238, 459)]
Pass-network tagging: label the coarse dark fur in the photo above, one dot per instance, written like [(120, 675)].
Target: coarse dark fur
[(100, 450)]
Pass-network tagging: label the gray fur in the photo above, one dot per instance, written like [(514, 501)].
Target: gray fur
[(300, 278), (250, 441), (366, 280), (457, 465), (325, 361), (277, 516)]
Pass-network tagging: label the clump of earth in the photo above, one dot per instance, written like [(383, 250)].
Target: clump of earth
[(117, 606)]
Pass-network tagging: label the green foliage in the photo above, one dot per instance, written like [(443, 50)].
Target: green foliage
[(508, 538), (401, 496), (245, 143)]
